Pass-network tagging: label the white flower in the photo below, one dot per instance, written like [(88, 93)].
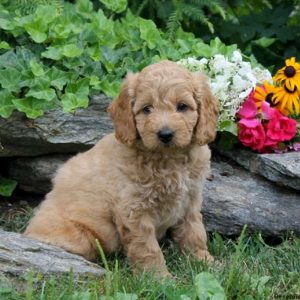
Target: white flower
[(236, 56), (231, 80)]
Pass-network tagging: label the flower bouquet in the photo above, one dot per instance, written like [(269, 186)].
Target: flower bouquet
[(256, 110)]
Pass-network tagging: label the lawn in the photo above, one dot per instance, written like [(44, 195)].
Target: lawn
[(247, 267)]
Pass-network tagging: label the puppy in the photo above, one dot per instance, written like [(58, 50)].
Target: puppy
[(143, 179)]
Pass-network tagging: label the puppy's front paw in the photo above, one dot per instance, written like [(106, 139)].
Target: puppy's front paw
[(204, 255)]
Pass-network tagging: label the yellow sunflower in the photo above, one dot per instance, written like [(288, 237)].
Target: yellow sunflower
[(265, 92), (289, 74), (288, 100)]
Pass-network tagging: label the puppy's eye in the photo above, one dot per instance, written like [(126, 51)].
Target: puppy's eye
[(147, 109), (182, 107)]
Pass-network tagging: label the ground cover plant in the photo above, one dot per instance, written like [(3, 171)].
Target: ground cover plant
[(59, 54), (245, 268), (269, 29)]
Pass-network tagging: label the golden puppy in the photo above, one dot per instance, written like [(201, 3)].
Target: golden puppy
[(145, 178)]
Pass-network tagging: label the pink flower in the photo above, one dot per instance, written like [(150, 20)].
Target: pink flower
[(251, 133), (279, 129), (248, 110)]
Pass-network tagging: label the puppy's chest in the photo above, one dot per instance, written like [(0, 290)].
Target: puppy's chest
[(164, 190)]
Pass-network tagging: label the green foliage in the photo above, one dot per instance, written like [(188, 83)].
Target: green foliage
[(174, 14), (59, 55), (267, 29), (208, 287), (7, 186)]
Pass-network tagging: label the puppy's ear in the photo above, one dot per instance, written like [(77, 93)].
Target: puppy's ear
[(207, 111), (121, 112)]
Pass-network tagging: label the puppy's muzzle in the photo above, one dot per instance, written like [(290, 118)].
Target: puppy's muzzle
[(165, 135)]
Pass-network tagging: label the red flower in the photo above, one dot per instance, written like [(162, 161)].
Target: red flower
[(279, 129), (251, 133)]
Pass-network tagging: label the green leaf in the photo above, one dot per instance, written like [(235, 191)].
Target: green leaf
[(149, 33), (36, 68), (71, 50), (35, 31), (32, 107), (7, 186), (229, 126), (208, 287), (6, 104), (109, 87), (10, 79), (47, 94), (265, 42), (4, 45), (57, 78), (6, 24), (80, 88), (54, 53), (85, 7), (117, 6), (71, 102)]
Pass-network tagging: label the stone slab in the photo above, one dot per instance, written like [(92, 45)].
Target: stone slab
[(19, 254), (233, 198), (281, 168), (56, 131)]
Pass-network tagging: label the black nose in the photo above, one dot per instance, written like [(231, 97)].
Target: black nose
[(165, 135)]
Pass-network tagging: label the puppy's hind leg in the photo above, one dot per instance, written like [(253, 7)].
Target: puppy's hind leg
[(72, 236)]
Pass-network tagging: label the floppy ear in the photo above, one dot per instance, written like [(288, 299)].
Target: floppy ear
[(207, 111), (121, 112)]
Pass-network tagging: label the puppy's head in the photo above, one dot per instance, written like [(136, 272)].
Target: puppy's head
[(166, 106)]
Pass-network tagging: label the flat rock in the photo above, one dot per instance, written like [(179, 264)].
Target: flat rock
[(34, 174), (55, 132), (233, 198), (19, 254), (281, 168)]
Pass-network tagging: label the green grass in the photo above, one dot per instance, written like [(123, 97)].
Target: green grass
[(246, 268)]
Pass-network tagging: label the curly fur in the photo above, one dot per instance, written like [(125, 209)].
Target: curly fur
[(131, 187)]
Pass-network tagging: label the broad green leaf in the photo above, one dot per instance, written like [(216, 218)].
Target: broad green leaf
[(149, 33), (110, 88), (94, 80), (47, 94), (4, 45), (265, 42), (37, 35), (85, 7), (208, 288), (47, 13), (10, 79), (117, 6), (71, 50), (36, 68), (229, 126), (71, 102), (80, 88), (6, 24), (62, 31), (54, 53), (6, 104), (202, 50), (7, 186), (32, 107), (57, 78)]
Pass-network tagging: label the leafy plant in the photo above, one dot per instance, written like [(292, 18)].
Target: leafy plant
[(7, 186), (175, 14), (59, 56)]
